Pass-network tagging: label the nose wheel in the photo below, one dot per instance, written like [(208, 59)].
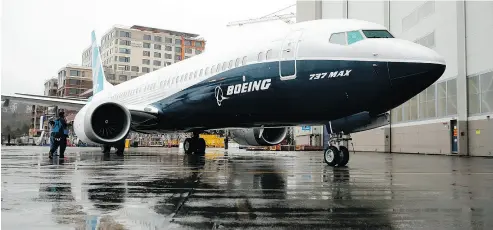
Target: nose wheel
[(337, 156)]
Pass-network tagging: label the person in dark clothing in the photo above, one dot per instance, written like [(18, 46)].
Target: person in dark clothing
[(59, 135)]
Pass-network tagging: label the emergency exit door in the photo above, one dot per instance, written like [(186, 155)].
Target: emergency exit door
[(289, 50), (454, 132)]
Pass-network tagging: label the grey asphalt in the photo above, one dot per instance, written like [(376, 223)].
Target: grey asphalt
[(160, 188)]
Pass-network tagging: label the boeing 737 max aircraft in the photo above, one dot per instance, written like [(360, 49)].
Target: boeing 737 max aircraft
[(314, 72)]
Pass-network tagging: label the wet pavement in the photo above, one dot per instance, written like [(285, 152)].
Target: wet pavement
[(159, 188)]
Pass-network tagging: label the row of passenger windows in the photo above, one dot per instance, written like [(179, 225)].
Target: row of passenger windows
[(350, 37)]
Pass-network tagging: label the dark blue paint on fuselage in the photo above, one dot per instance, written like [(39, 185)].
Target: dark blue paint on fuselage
[(291, 102)]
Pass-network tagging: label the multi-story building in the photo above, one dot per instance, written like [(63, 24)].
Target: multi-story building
[(51, 87), (452, 116), (73, 80), (136, 50)]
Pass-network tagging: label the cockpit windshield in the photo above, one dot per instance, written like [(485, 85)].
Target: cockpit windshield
[(377, 34)]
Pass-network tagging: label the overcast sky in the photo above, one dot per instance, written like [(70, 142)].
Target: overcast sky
[(40, 37)]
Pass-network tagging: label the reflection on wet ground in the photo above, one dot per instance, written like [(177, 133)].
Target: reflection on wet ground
[(153, 188)]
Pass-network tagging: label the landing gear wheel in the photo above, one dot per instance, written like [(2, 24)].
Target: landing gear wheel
[(105, 148), (344, 154), (188, 146), (120, 147), (332, 156), (200, 146)]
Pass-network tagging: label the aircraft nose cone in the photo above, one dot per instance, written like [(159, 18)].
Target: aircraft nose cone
[(408, 79)]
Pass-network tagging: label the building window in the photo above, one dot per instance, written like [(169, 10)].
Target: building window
[(157, 55), (168, 63), (452, 97), (125, 43), (198, 51), (146, 53), (178, 49), (188, 51), (157, 63), (168, 48), (124, 59), (158, 39), (111, 76), (198, 44), (73, 82), (486, 83), (428, 40), (75, 73), (168, 56), (124, 67), (145, 62), (135, 68), (145, 70), (147, 37), (147, 45), (124, 51), (122, 77), (442, 99), (157, 47), (188, 43), (178, 41), (125, 34), (473, 89), (168, 40), (72, 92), (177, 57)]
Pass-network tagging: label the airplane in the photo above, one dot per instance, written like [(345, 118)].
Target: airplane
[(308, 73)]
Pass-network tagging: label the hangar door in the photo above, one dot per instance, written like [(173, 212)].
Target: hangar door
[(289, 50)]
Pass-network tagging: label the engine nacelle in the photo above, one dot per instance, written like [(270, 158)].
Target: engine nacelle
[(259, 136), (358, 122), (102, 122)]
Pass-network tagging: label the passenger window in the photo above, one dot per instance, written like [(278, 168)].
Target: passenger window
[(260, 56), (207, 71), (243, 62), (225, 66), (191, 75), (200, 73), (231, 64), (268, 55), (237, 62), (213, 69), (338, 38), (354, 36), (218, 68)]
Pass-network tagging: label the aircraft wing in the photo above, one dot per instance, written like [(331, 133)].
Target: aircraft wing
[(65, 103)]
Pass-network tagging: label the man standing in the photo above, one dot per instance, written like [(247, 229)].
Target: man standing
[(59, 135)]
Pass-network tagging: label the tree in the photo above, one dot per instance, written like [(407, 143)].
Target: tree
[(7, 130)]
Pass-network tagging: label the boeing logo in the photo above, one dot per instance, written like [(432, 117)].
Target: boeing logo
[(248, 87), (219, 95)]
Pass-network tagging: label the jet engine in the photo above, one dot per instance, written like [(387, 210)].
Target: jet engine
[(102, 122), (358, 122), (259, 136)]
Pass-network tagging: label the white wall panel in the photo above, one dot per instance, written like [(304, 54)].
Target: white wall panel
[(479, 36), (305, 11), (372, 11), (333, 9)]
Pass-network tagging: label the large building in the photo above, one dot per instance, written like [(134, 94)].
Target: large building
[(51, 87), (73, 80), (139, 50), (453, 116)]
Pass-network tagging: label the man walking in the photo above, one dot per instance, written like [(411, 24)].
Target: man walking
[(59, 135)]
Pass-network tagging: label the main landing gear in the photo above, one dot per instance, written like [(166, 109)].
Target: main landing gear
[(195, 145), (337, 153), (119, 147)]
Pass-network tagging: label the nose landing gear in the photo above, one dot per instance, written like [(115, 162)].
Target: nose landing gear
[(337, 154)]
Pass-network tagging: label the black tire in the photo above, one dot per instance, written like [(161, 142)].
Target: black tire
[(120, 147), (344, 156), (200, 146), (105, 148), (188, 146), (331, 156)]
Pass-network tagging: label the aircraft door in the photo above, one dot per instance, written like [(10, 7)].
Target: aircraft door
[(289, 50)]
